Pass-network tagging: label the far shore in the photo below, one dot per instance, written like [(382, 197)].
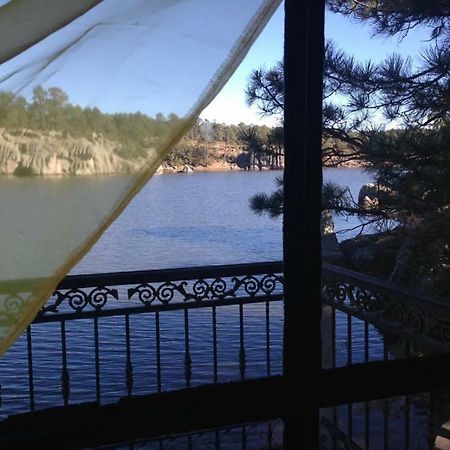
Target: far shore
[(162, 171), (186, 169)]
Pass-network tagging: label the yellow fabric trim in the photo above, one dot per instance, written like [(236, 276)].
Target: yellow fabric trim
[(235, 57)]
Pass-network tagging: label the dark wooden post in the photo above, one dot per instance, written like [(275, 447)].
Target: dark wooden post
[(303, 67)]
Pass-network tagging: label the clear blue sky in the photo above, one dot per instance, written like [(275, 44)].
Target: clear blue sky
[(355, 38), (108, 68)]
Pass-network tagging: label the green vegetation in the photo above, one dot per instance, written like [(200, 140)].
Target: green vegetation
[(411, 164), (264, 147), (50, 110), (190, 153)]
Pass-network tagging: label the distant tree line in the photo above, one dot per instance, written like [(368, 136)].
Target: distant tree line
[(50, 109)]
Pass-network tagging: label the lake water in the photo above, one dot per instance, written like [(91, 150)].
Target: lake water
[(177, 220), (181, 220)]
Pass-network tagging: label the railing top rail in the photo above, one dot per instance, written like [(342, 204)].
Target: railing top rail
[(230, 270), (148, 276), (80, 296), (384, 287), (175, 274)]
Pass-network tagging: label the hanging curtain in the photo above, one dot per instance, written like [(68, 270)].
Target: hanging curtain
[(93, 95)]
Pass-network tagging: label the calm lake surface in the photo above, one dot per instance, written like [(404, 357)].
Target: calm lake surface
[(179, 220), (195, 219), (176, 221)]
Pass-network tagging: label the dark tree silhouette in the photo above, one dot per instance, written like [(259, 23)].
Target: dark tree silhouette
[(409, 159)]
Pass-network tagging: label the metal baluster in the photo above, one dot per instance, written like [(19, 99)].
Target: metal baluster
[(187, 354), (335, 428), (244, 438), (158, 351), (242, 364), (30, 368), (333, 357), (350, 420), (129, 365), (268, 337), (214, 326), (386, 423), (269, 436), (406, 400), (432, 422), (367, 425), (366, 404), (349, 362), (407, 419), (385, 350), (65, 379), (349, 340), (97, 360), (217, 440), (366, 342), (333, 337)]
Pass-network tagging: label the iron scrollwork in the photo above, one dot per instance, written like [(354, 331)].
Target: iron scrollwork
[(201, 289), (10, 305), (78, 299), (409, 316), (98, 298)]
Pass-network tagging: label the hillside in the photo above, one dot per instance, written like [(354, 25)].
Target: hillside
[(29, 152), (49, 135)]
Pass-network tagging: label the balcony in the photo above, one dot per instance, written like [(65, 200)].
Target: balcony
[(171, 358), (119, 341)]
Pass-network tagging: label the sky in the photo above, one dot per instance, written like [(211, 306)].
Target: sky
[(151, 56), (230, 106), (128, 59)]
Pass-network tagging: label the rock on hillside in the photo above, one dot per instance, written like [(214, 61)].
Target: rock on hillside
[(373, 254), (26, 152)]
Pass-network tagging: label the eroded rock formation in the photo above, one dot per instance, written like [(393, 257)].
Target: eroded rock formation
[(30, 153)]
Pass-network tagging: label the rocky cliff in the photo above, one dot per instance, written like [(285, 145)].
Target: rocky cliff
[(26, 152)]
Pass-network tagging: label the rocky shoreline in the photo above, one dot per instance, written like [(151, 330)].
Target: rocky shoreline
[(406, 255), (26, 152), (216, 167)]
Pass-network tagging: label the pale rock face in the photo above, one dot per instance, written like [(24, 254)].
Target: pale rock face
[(371, 195), (9, 156), (331, 252), (50, 153)]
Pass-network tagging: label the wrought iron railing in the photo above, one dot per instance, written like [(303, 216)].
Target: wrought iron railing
[(86, 300), (364, 319), (368, 319), (249, 436), (421, 320)]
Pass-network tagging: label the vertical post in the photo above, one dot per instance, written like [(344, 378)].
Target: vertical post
[(30, 368), (214, 330), (129, 364), (303, 73), (242, 363), (158, 351), (65, 378), (187, 352), (268, 338), (97, 361)]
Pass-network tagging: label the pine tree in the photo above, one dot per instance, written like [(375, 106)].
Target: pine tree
[(410, 159)]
